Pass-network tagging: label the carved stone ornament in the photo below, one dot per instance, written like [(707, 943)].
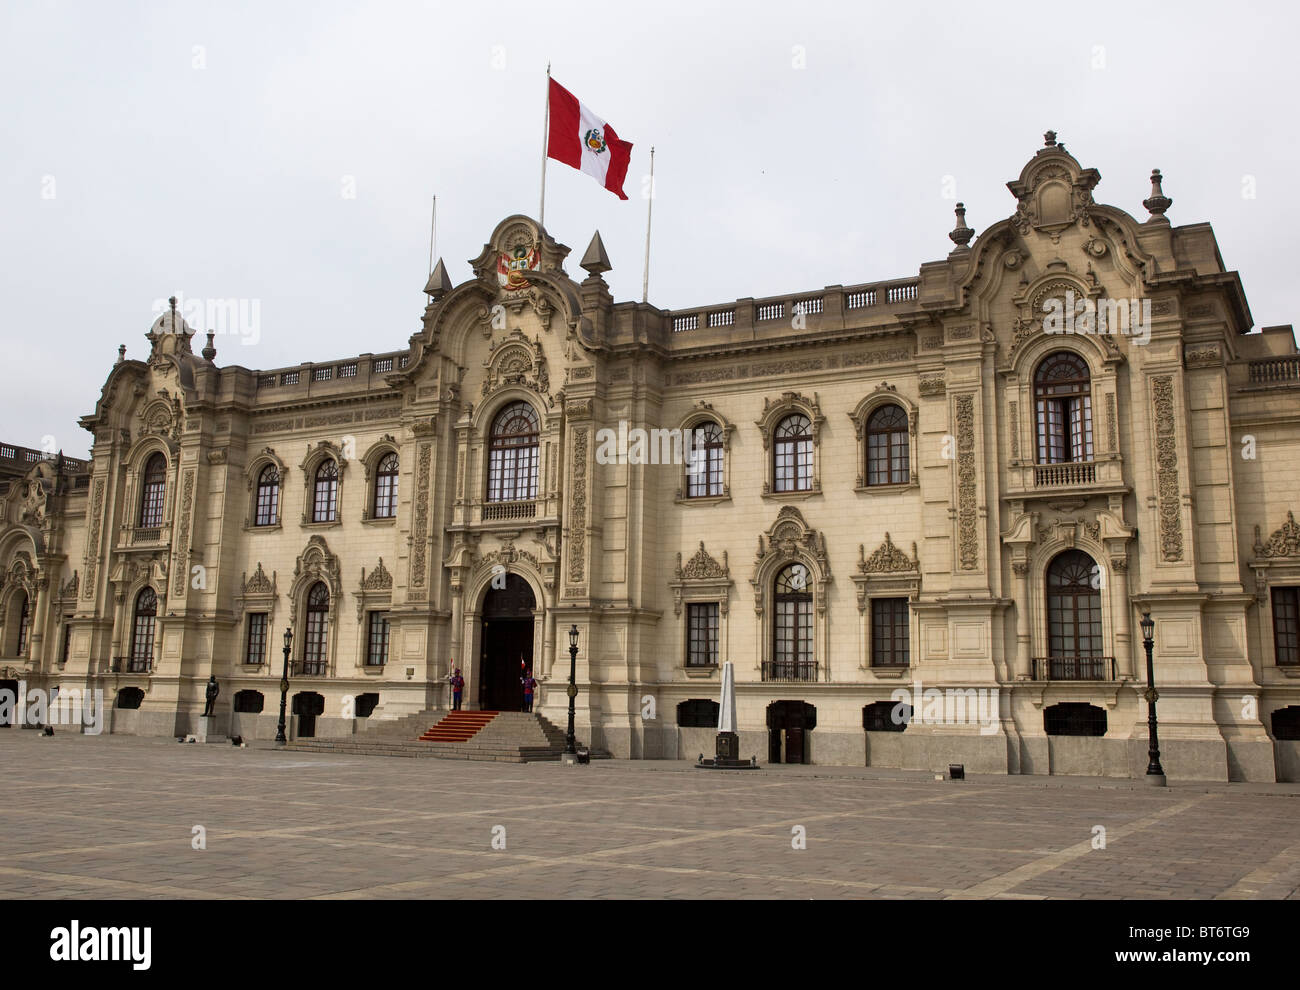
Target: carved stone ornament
[(1284, 542), (377, 580), (886, 559), (702, 578), (702, 566)]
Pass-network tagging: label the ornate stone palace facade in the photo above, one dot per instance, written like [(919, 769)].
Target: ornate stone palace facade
[(884, 488)]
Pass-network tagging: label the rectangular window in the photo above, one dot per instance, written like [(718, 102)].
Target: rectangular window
[(1065, 430), (889, 646), (378, 653), (702, 634), (1286, 626), (67, 639), (255, 651)]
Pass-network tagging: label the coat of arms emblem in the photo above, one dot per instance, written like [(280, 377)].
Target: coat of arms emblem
[(512, 263), (595, 141)]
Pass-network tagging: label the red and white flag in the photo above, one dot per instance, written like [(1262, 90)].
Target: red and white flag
[(583, 141)]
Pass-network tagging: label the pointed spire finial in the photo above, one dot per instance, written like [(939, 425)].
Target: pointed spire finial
[(595, 261), (1158, 202), (961, 234), (439, 283)]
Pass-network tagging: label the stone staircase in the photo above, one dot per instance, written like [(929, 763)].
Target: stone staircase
[(508, 737)]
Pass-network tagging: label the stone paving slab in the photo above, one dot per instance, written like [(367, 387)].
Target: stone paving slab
[(115, 817)]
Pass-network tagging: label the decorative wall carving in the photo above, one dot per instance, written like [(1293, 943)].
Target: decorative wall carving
[(377, 580), (181, 541), (1284, 541), (702, 578), (259, 583), (578, 519), (1171, 526), (702, 565), (1112, 428), (1013, 423), (96, 517), (887, 559), (967, 526), (420, 525)]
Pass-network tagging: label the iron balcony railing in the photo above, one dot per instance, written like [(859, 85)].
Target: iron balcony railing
[(790, 670), (1074, 669), (312, 668), (132, 665)]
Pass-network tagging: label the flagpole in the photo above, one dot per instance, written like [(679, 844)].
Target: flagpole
[(433, 233), (645, 279), (546, 130)]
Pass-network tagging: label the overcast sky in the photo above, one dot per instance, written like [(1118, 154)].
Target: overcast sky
[(209, 150)]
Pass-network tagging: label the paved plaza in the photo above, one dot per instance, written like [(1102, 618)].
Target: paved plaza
[(119, 817)]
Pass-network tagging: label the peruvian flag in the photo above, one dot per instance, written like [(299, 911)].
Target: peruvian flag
[(583, 141)]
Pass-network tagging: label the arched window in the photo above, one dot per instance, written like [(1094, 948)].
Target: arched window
[(154, 492), (142, 630), (512, 454), (1063, 398), (325, 504), (268, 497), (385, 506), (887, 454), (1074, 618), (24, 624), (318, 612), (704, 470), (793, 454), (792, 634)]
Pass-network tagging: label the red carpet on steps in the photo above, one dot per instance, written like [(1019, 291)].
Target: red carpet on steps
[(458, 726)]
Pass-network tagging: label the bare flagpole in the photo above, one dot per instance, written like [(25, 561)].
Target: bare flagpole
[(433, 233), (650, 202), (546, 130)]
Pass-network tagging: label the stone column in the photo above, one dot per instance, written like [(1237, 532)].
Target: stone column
[(1023, 660), (548, 642), (1122, 606)]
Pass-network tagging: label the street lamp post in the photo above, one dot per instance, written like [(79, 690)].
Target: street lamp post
[(1155, 773), (570, 747), (280, 739)]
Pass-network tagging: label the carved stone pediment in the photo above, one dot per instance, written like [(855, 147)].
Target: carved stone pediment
[(702, 566), (517, 361), (259, 583), (1284, 541), (377, 580), (702, 578), (887, 559)]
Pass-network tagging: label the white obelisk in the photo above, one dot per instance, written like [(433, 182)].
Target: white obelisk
[(727, 705)]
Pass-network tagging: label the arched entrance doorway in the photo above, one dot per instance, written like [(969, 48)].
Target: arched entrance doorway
[(507, 645), (788, 725)]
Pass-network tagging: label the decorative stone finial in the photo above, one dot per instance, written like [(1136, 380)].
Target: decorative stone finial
[(121, 353), (439, 283), (210, 351), (595, 261), (172, 301), (1049, 139), (961, 234), (1158, 202)]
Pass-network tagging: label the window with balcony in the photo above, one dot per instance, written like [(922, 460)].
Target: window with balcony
[(325, 501), (314, 657), (792, 453), (1063, 401), (1286, 626), (153, 492), (385, 503), (267, 512), (1074, 620), (887, 455), (24, 624), (142, 630), (792, 633), (513, 454)]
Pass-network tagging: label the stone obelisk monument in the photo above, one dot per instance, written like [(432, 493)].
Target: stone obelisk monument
[(728, 742)]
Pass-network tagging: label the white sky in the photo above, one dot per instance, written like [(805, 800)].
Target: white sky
[(226, 180)]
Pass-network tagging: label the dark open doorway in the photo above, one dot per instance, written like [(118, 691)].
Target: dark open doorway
[(789, 724), (507, 649)]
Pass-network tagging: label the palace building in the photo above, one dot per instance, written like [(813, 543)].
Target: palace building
[(922, 517)]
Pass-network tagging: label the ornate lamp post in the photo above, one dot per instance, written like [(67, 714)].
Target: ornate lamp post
[(1155, 773), (280, 739), (570, 747)]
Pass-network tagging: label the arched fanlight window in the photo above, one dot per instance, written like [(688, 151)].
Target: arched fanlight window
[(142, 630), (314, 644), (1073, 615), (792, 633), (512, 454), (704, 470), (887, 453), (792, 454), (24, 623), (154, 492), (385, 506), (325, 504), (1063, 399), (268, 497)]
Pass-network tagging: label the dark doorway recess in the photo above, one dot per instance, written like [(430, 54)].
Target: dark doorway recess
[(507, 645)]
